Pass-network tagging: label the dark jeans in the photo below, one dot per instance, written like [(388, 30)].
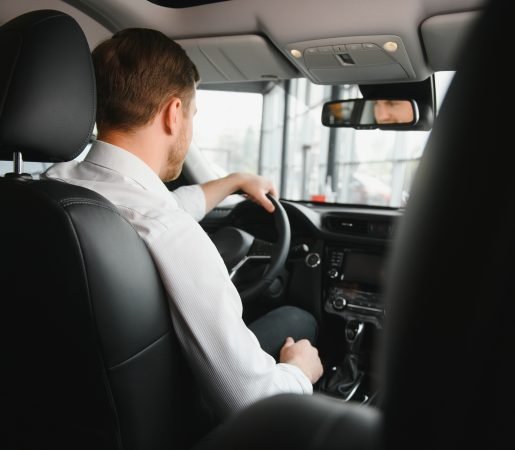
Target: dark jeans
[(273, 328)]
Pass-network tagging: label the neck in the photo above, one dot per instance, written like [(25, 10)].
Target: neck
[(141, 143)]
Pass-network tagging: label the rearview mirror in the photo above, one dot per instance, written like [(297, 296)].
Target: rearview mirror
[(362, 113)]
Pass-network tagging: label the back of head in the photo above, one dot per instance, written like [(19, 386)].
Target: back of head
[(137, 71)]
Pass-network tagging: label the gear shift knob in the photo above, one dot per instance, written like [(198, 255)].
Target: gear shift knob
[(354, 335)]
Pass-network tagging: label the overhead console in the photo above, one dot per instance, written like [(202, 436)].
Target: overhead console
[(356, 59)]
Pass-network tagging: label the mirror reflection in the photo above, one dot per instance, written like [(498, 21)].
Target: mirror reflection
[(361, 113)]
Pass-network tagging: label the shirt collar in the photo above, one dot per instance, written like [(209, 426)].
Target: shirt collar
[(126, 164)]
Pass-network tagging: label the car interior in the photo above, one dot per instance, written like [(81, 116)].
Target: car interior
[(394, 233)]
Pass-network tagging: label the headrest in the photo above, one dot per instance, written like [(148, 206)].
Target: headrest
[(47, 88)]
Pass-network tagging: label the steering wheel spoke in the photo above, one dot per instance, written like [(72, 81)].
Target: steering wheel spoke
[(245, 260), (239, 248), (261, 248)]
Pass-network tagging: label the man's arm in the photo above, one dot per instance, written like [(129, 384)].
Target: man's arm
[(232, 368), (255, 188)]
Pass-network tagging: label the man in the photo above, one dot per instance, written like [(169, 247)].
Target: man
[(146, 102), (393, 111)]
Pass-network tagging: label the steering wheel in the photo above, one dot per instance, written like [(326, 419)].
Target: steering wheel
[(238, 247)]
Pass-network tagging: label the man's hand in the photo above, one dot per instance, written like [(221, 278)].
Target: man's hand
[(303, 355), (254, 187)]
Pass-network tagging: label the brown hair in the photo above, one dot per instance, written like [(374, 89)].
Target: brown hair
[(137, 71)]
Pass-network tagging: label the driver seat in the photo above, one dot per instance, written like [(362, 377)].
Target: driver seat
[(90, 359)]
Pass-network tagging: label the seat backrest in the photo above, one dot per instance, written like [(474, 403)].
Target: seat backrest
[(451, 295), (89, 355)]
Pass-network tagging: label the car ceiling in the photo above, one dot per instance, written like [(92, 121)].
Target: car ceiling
[(428, 33), (184, 3)]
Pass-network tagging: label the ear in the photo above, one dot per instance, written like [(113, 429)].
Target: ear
[(172, 113)]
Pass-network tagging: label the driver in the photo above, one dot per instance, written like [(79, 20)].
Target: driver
[(145, 106), (393, 112)]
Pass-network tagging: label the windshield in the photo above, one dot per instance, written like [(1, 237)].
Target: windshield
[(239, 131)]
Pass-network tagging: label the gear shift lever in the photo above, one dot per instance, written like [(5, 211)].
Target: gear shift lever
[(347, 378)]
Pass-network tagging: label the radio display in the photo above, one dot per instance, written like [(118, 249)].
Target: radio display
[(363, 268)]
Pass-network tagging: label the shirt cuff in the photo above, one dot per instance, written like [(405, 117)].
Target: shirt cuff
[(304, 382), (192, 200)]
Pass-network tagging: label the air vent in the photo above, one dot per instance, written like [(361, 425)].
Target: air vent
[(347, 225), (363, 227)]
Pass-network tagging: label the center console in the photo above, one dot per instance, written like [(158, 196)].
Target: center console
[(352, 285), (352, 291)]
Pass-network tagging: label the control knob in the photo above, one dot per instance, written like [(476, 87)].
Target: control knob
[(339, 303), (312, 260), (332, 273)]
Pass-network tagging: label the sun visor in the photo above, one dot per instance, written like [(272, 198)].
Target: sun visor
[(356, 59), (237, 58), (443, 35)]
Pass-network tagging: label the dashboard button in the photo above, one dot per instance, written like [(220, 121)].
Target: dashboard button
[(313, 260), (332, 273)]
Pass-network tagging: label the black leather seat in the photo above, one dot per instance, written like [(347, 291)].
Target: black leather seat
[(449, 375), (89, 356)]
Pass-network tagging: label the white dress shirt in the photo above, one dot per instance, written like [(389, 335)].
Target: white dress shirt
[(206, 309)]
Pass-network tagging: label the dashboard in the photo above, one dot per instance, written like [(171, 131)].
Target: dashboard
[(338, 254), (348, 256)]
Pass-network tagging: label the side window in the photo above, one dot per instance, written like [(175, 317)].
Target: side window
[(37, 168), (32, 168), (227, 129)]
